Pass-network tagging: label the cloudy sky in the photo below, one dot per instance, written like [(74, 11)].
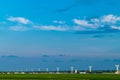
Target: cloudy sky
[(89, 28)]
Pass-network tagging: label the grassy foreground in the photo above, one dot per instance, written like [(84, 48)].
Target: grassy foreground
[(59, 77)]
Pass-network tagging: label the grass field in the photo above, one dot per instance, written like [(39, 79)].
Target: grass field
[(59, 77)]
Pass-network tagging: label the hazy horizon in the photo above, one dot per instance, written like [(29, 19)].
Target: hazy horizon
[(51, 29)]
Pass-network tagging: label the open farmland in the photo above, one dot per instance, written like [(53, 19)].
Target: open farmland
[(59, 77)]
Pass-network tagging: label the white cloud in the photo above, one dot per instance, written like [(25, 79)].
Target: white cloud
[(94, 24), (21, 26), (112, 19), (84, 23), (59, 22), (115, 27), (101, 22), (51, 27), (21, 20)]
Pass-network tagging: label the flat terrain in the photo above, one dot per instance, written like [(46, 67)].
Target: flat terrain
[(59, 77)]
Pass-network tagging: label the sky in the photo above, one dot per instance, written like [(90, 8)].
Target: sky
[(85, 28), (40, 33)]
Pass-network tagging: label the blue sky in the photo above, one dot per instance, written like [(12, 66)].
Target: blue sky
[(86, 28)]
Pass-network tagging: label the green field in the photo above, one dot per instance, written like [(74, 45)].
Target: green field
[(59, 77)]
